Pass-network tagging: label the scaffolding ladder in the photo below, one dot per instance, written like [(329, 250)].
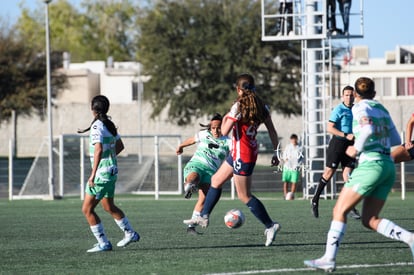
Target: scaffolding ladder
[(309, 19)]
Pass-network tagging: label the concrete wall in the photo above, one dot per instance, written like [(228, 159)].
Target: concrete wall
[(68, 118)]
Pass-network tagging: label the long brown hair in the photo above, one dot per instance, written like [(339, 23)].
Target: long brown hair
[(252, 108)]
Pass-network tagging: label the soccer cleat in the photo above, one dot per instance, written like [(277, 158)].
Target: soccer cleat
[(189, 189), (315, 210), (101, 247), (192, 231), (327, 266), (203, 222), (270, 233), (354, 214), (129, 238)]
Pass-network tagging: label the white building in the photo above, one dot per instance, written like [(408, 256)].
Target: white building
[(121, 81)]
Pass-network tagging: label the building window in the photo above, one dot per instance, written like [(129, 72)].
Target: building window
[(134, 91), (405, 86), (410, 85), (383, 86)]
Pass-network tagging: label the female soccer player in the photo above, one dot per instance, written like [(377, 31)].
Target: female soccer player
[(372, 180), (104, 145), (245, 116), (212, 149)]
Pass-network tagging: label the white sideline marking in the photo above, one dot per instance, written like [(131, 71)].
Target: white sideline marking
[(281, 270)]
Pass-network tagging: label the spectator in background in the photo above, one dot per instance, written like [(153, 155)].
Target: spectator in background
[(292, 160), (345, 9), (330, 17), (285, 21)]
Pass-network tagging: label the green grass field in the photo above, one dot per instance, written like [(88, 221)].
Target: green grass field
[(51, 237)]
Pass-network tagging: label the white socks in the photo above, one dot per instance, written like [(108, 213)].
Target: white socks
[(125, 225), (98, 232), (393, 231), (335, 234)]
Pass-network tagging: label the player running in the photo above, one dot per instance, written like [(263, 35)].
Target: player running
[(373, 178), (244, 118)]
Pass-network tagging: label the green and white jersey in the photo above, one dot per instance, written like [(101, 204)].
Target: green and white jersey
[(107, 168), (374, 130), (211, 152)]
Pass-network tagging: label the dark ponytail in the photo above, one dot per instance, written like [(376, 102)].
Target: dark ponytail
[(100, 104)]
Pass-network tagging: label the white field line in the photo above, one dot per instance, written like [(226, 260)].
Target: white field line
[(282, 270)]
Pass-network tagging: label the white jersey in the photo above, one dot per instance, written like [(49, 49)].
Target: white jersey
[(292, 157), (374, 130), (211, 152), (108, 164)]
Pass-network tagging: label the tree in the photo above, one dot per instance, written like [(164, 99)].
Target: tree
[(65, 24), (109, 29), (194, 49), (23, 77), (94, 31)]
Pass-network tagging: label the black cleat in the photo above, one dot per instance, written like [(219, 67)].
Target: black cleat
[(188, 194), (355, 214), (315, 210)]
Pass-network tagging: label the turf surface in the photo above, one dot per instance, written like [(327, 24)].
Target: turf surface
[(51, 237)]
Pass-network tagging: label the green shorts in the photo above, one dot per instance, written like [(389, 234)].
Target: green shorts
[(204, 173), (102, 190), (373, 178), (289, 175)]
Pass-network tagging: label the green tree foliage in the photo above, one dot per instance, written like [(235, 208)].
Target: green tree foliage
[(65, 23), (93, 31), (23, 77), (109, 29), (194, 49)]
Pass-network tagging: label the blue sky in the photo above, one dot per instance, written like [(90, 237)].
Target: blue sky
[(386, 23)]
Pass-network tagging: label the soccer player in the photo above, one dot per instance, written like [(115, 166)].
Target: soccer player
[(405, 152), (340, 126), (373, 178), (104, 146), (244, 118), (292, 160), (212, 149)]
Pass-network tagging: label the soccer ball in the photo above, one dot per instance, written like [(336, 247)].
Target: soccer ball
[(234, 218), (290, 196)]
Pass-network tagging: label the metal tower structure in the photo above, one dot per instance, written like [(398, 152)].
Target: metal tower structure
[(307, 21)]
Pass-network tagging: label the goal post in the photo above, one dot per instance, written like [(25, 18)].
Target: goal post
[(148, 166)]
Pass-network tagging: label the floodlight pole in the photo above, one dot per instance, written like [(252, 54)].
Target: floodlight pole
[(49, 102)]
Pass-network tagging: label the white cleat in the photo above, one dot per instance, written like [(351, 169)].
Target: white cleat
[(203, 222), (129, 238), (271, 232), (322, 264), (101, 247)]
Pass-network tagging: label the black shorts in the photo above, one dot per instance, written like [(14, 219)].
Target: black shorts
[(336, 155)]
